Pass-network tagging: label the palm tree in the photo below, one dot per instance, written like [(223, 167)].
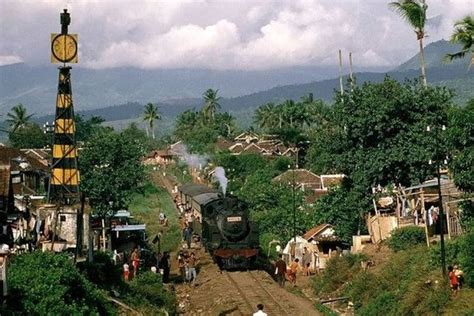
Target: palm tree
[(266, 116), (17, 117), (463, 34), (151, 114), (414, 12), (211, 103)]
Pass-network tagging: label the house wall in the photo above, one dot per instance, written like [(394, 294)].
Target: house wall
[(380, 227)]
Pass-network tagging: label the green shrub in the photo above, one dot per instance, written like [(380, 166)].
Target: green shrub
[(102, 271), (406, 237), (339, 270), (458, 251), (147, 290), (382, 303), (466, 255), (49, 284)]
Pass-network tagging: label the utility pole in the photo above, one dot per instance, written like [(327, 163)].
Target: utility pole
[(438, 159), (340, 73)]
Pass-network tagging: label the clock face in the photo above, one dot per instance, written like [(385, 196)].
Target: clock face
[(64, 48)]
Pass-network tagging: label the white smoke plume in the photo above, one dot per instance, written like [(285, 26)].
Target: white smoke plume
[(192, 160), (219, 173)]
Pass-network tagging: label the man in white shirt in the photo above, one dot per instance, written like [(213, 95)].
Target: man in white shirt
[(260, 311)]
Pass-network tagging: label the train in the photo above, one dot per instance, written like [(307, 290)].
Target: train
[(223, 224)]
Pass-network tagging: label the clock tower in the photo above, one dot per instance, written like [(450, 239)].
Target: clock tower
[(64, 180)]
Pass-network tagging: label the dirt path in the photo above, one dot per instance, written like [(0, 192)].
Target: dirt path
[(231, 293), (237, 293)]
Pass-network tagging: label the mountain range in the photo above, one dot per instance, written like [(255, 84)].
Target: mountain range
[(119, 94)]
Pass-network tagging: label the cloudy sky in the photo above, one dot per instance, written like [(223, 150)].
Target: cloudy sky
[(225, 34)]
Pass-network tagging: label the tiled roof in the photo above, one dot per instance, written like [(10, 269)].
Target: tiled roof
[(315, 230), (301, 176), (8, 153)]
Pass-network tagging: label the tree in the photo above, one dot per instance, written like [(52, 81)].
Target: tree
[(29, 135), (151, 114), (44, 283), (18, 118), (86, 128), (211, 104), (266, 116), (414, 12), (111, 169), (344, 208), (463, 34), (461, 139)]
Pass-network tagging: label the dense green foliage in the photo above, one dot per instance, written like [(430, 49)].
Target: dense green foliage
[(102, 271), (44, 283), (199, 132), (461, 138), (406, 237), (344, 208), (111, 169), (29, 135), (148, 292), (458, 251), (85, 129), (405, 284)]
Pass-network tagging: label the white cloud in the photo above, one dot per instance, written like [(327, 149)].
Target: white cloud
[(9, 59), (222, 34)]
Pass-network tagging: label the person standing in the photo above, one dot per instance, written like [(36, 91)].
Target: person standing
[(165, 266), (192, 262), (453, 280), (135, 261), (306, 261), (188, 234), (259, 311), (280, 270), (292, 271), (459, 275), (182, 266), (126, 271)]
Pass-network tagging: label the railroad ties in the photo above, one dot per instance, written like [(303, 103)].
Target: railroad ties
[(253, 292)]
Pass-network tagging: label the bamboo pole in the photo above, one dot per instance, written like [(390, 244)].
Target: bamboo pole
[(350, 71), (340, 73)]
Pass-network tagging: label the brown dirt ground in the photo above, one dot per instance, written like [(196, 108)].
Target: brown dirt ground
[(213, 294)]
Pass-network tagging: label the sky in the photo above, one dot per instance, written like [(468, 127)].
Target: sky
[(223, 35)]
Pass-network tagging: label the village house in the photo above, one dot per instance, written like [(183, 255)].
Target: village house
[(419, 206), (312, 185), (162, 157)]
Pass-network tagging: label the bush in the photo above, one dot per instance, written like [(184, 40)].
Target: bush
[(49, 284), (147, 290), (406, 237), (102, 272), (339, 270)]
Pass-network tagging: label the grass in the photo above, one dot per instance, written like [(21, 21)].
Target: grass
[(406, 283), (146, 206)]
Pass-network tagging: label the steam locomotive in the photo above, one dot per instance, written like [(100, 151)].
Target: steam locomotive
[(223, 224)]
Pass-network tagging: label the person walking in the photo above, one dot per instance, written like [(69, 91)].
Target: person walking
[(260, 311), (280, 270)]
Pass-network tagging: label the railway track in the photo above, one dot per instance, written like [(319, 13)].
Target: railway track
[(252, 292)]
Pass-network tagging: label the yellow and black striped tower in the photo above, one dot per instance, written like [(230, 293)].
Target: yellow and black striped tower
[(64, 183)]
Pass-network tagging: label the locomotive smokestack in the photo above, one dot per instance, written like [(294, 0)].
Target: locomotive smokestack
[(220, 175)]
